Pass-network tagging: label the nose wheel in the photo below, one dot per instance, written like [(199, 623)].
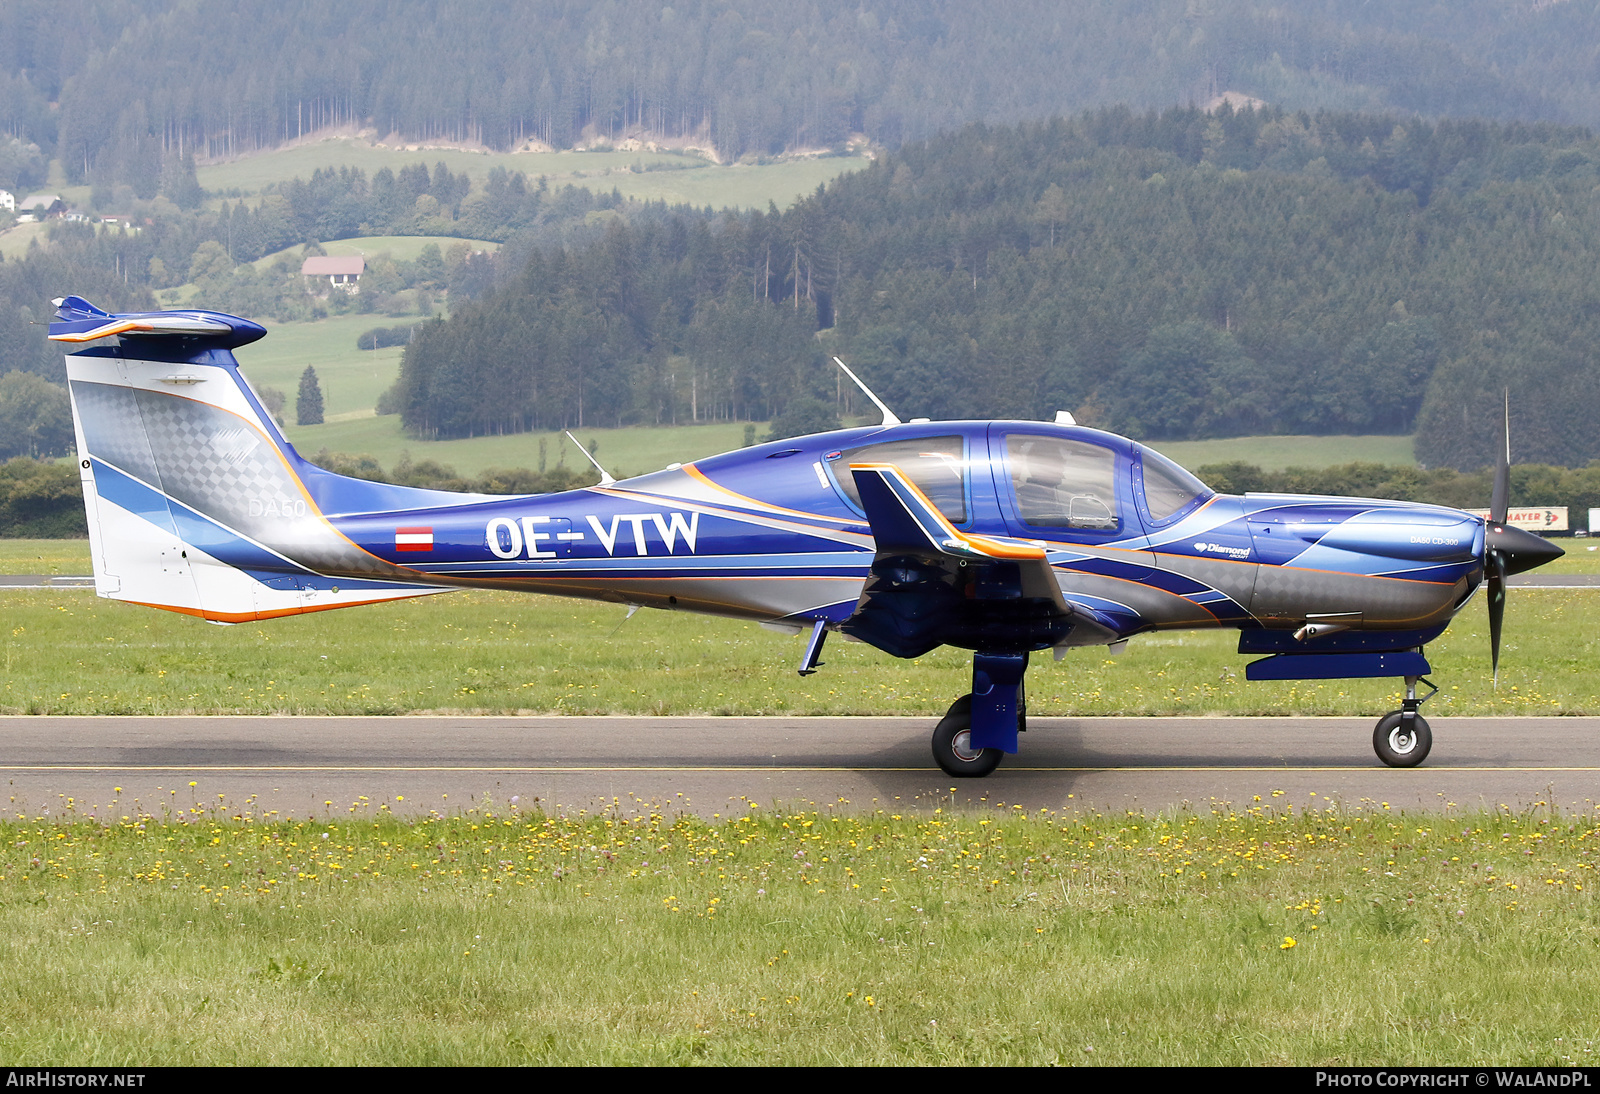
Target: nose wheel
[(1402, 737)]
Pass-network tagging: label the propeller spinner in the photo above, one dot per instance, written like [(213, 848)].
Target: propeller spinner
[(1507, 550)]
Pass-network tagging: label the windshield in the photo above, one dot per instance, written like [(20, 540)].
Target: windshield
[(1169, 490)]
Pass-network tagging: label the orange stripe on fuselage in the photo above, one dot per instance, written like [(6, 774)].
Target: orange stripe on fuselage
[(251, 617), (699, 476)]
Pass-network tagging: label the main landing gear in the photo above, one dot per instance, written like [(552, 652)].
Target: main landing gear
[(1402, 737), (980, 728)]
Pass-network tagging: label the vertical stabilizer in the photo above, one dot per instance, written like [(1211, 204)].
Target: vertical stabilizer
[(195, 501)]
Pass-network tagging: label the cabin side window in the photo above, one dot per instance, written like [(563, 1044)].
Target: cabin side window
[(1063, 484), (936, 465)]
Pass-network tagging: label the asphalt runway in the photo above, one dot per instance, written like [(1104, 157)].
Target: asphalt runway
[(414, 765)]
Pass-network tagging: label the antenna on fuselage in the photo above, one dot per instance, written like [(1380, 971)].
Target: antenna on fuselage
[(888, 415), (605, 476)]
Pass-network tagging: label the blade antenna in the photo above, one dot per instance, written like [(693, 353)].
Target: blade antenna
[(605, 476), (1507, 394), (1500, 498), (888, 415), (631, 609)]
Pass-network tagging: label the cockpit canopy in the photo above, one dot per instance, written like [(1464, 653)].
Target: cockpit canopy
[(1041, 478)]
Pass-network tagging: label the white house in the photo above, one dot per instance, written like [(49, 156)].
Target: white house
[(47, 202), (8, 201), (342, 271)]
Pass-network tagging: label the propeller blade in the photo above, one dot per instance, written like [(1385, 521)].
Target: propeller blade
[(1507, 550), (1497, 608), (1500, 500)]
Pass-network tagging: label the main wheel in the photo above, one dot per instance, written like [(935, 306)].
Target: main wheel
[(952, 744), (1395, 746)]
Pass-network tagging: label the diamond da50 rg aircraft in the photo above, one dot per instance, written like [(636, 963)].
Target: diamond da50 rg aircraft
[(1006, 538)]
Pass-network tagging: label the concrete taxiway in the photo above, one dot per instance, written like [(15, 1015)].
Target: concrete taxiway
[(414, 765)]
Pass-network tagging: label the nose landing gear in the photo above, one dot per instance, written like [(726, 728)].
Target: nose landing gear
[(1402, 737)]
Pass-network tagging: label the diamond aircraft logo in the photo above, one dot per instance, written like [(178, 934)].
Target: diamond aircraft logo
[(1221, 549)]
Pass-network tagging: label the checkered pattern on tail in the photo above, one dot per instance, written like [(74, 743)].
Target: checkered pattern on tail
[(218, 465)]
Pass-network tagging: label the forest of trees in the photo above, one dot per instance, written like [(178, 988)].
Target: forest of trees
[(118, 89), (1167, 275)]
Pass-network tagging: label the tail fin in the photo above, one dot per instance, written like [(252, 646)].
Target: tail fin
[(196, 502)]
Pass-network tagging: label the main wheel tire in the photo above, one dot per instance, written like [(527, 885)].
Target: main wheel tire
[(952, 745), (1397, 748)]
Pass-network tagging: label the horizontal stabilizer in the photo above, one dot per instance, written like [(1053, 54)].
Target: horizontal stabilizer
[(77, 321)]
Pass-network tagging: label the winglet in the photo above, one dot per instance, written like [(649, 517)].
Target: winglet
[(888, 415), (605, 476)]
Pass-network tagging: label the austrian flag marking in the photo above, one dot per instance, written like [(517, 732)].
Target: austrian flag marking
[(413, 539)]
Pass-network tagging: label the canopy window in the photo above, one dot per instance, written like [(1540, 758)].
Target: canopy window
[(936, 465), (1060, 483)]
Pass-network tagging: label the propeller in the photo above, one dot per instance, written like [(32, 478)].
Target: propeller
[(1507, 550)]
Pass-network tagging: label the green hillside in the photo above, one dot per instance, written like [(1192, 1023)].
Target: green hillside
[(674, 177)]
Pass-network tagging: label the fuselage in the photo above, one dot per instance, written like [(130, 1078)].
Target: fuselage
[(775, 533)]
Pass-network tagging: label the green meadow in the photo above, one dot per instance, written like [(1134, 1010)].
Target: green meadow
[(15, 241), (1265, 932), (65, 651), (351, 378), (673, 177), (1277, 453), (45, 556)]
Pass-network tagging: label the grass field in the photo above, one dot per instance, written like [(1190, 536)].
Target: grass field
[(737, 186), (68, 652), (672, 177), (1277, 453), (1264, 932), (351, 378), (44, 556), (14, 241)]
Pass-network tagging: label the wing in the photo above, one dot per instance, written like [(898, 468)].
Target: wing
[(932, 585)]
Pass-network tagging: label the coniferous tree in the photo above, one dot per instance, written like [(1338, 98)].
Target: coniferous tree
[(308, 405)]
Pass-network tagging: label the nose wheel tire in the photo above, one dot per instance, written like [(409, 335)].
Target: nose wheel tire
[(952, 745), (1398, 748)]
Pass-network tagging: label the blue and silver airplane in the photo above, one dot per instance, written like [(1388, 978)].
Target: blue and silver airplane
[(1006, 538)]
